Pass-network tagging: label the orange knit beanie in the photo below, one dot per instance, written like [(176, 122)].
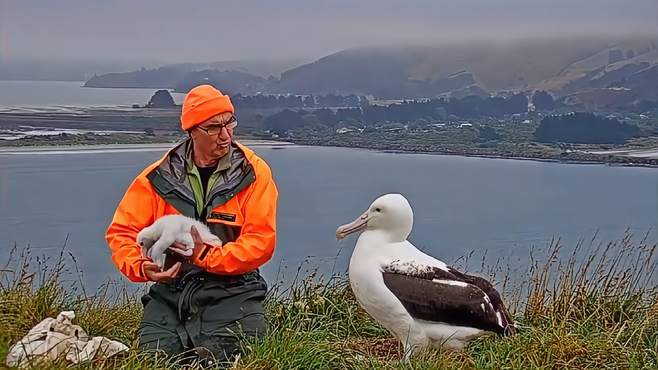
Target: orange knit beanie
[(202, 103)]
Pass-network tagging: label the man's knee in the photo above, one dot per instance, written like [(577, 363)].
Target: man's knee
[(219, 348), (154, 339), (222, 336), (158, 329)]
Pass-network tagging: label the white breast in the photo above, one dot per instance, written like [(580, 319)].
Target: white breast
[(366, 280), (372, 294)]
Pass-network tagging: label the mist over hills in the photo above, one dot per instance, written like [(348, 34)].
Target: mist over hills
[(558, 65), (60, 70), (133, 74), (413, 71), (590, 70)]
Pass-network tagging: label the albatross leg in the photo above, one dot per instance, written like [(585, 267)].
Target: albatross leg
[(413, 345)]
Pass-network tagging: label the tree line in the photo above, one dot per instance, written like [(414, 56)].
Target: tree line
[(407, 111)]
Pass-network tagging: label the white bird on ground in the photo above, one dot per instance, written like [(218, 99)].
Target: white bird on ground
[(421, 300), (170, 229)]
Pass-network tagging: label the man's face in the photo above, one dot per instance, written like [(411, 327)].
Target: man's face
[(212, 139)]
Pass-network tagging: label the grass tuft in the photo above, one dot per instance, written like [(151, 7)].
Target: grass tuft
[(595, 306)]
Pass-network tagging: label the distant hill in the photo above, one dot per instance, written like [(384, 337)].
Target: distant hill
[(261, 68), (561, 66), (602, 98), (174, 76), (413, 71), (231, 82), (161, 99), (159, 78), (644, 82), (609, 67), (40, 70), (589, 71)]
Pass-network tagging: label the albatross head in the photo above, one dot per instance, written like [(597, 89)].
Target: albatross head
[(390, 213)]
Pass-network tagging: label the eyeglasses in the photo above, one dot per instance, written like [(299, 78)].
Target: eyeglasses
[(216, 129)]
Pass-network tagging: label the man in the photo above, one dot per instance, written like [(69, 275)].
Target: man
[(203, 304)]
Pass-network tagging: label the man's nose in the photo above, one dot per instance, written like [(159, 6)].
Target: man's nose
[(223, 133)]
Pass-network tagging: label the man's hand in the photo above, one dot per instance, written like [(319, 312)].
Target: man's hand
[(153, 273), (199, 245)]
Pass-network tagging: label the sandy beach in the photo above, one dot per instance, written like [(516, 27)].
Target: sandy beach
[(637, 153)]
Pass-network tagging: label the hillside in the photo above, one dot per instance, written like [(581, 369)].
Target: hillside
[(608, 67), (176, 76), (159, 78), (228, 81), (561, 66), (413, 71)]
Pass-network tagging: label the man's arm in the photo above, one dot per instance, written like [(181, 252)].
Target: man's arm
[(255, 245), (134, 212)]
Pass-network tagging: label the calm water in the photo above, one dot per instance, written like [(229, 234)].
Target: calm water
[(461, 204), (53, 94)]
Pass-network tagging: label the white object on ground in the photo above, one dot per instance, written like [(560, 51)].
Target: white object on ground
[(167, 230), (52, 338)]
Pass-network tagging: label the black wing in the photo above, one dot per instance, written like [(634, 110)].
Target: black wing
[(494, 296), (440, 301), (447, 295)]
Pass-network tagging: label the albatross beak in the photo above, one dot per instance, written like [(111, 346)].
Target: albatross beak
[(354, 226)]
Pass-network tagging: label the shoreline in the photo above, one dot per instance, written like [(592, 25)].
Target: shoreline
[(516, 158), (166, 123), (275, 144), (494, 156), (90, 148)]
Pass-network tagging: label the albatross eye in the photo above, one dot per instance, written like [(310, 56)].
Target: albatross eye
[(378, 209)]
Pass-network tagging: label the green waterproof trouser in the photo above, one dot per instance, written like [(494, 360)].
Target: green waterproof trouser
[(204, 315)]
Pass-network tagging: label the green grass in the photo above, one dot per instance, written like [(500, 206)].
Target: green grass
[(594, 308)]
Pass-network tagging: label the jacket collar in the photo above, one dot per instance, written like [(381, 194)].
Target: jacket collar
[(170, 178)]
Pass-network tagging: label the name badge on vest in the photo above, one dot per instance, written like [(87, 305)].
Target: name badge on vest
[(222, 216)]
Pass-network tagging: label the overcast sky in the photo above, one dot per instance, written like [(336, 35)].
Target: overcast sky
[(190, 30)]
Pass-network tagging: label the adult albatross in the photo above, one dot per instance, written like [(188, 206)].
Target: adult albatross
[(421, 300)]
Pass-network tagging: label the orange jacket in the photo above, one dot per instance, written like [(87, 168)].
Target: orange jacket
[(254, 208)]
